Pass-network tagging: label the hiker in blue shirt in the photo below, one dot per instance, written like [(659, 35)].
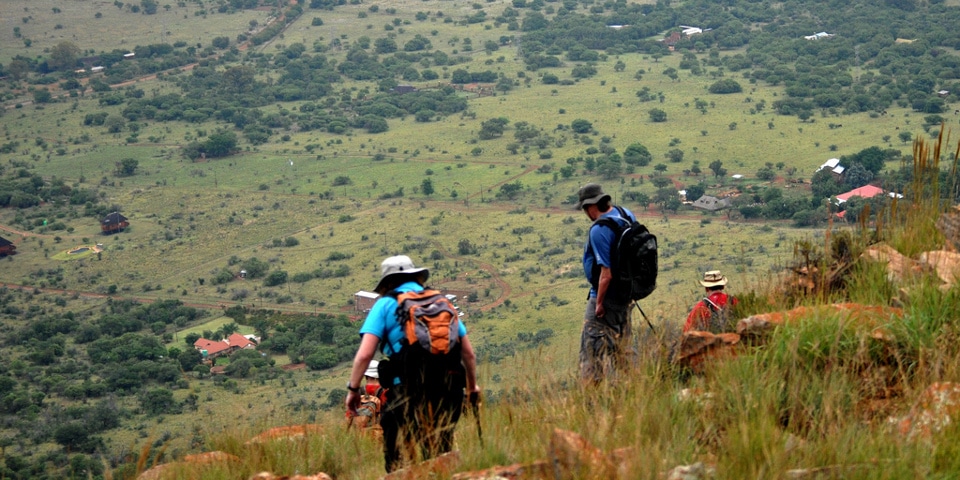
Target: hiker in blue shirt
[(606, 322), (424, 416)]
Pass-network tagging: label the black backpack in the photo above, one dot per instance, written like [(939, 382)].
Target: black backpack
[(633, 257)]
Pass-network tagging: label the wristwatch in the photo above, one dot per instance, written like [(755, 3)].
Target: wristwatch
[(352, 389)]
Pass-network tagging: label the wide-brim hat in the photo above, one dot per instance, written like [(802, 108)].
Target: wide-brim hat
[(713, 278), (590, 194), (372, 370), (397, 266)]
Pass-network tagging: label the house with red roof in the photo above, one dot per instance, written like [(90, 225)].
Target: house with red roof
[(866, 191), (216, 348)]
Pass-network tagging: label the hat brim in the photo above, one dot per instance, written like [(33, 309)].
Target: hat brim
[(592, 200), (717, 283), (419, 274)]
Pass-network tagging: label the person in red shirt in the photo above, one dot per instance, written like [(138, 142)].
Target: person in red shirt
[(709, 314)]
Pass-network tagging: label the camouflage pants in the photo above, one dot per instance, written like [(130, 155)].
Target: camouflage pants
[(605, 342)]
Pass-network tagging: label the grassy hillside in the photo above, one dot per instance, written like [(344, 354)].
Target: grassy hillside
[(324, 208)]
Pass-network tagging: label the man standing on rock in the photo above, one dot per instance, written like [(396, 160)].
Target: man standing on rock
[(606, 321)]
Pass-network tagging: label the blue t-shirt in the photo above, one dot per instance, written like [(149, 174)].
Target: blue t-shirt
[(599, 240), (382, 321)]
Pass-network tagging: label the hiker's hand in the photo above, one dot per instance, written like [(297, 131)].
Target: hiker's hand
[(352, 402), (600, 310), (473, 397)]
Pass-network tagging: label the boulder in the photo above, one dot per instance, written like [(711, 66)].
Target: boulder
[(899, 266), (697, 347), (946, 264), (937, 407)]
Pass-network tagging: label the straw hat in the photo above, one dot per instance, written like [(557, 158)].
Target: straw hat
[(399, 265), (372, 370), (590, 194), (713, 278)]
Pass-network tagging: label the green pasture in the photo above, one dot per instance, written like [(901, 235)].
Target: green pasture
[(117, 28)]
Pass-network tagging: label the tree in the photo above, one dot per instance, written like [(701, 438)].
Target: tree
[(694, 192), (660, 168), (675, 155), (717, 167), (384, 45), (637, 154), (857, 176), (220, 144), (727, 85), (159, 401), (581, 126), (127, 167), (238, 79), (657, 115), (905, 136), (493, 128), (660, 182), (426, 186), (64, 55)]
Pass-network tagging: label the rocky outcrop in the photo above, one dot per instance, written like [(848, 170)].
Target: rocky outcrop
[(937, 407), (697, 348), (870, 316)]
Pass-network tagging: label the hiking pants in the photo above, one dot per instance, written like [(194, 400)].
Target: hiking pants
[(605, 342), (426, 419)]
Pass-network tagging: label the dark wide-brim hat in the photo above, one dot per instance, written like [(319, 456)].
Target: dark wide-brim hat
[(590, 194), (396, 266)]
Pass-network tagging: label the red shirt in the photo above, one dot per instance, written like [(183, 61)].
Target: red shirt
[(699, 318)]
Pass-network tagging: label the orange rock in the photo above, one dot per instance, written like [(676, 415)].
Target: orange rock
[(289, 432), (899, 266)]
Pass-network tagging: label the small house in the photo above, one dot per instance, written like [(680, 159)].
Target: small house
[(7, 247), (114, 222), (866, 191), (97, 69), (363, 301), (710, 203)]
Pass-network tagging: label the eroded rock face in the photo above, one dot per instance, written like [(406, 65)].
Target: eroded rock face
[(937, 407), (899, 266)]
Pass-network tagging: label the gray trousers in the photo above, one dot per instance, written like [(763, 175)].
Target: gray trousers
[(605, 345)]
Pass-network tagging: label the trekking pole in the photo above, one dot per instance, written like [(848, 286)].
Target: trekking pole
[(654, 330), (474, 399)]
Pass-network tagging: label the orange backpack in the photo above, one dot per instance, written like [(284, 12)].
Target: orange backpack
[(430, 320)]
